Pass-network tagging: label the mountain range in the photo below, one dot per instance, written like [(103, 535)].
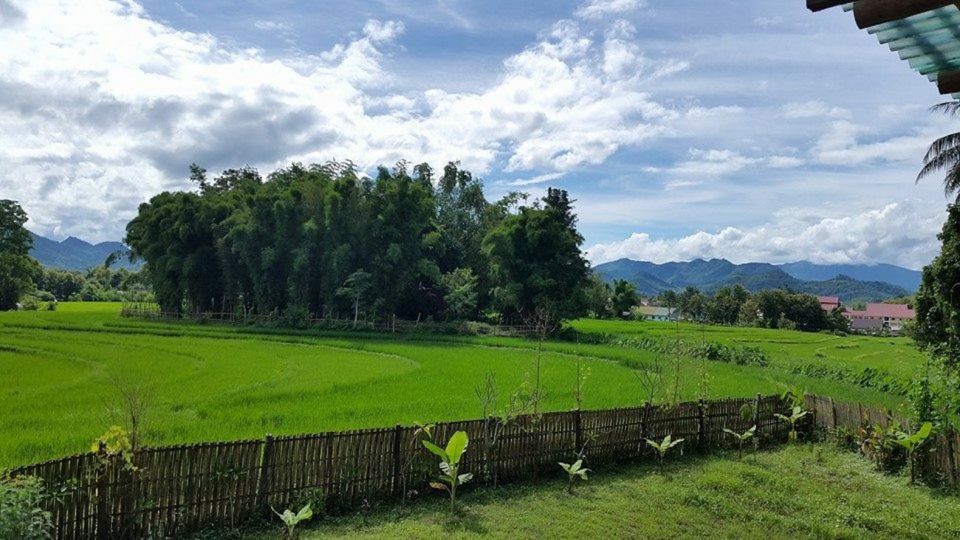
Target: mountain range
[(76, 254), (872, 282)]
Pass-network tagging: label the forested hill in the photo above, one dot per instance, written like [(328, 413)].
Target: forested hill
[(76, 254), (651, 279)]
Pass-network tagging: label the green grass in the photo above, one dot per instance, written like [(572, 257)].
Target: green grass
[(810, 491), (210, 382)]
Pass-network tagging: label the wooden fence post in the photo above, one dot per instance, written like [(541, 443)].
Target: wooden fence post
[(701, 425), (103, 505), (263, 482), (579, 437), (756, 413), (397, 431), (644, 419), (951, 457), (833, 412)]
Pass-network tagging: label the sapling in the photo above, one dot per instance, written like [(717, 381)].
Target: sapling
[(574, 471), (663, 447), (291, 520), (795, 416), (450, 465), (741, 437), (911, 442)]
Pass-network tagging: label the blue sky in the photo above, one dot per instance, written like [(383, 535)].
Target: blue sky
[(745, 129)]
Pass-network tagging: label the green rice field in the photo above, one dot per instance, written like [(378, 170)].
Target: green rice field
[(60, 373)]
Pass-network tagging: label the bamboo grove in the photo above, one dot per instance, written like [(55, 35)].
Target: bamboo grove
[(325, 241)]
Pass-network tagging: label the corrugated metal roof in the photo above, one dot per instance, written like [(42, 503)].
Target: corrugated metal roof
[(929, 42)]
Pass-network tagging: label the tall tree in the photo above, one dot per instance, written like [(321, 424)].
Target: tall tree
[(624, 297), (944, 154), (17, 268), (537, 264), (938, 300)]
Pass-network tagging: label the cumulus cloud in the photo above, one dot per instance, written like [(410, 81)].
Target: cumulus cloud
[(596, 9), (104, 106), (902, 233)]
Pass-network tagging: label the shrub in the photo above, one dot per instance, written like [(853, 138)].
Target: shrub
[(21, 509)]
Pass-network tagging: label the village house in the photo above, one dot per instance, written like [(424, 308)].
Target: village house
[(652, 313), (829, 303), (881, 316)]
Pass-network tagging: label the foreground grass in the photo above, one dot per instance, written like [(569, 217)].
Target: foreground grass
[(811, 491), (58, 375)]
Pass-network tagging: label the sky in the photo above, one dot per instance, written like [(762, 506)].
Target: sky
[(749, 130)]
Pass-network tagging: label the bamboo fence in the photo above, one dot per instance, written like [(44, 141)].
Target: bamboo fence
[(178, 489)]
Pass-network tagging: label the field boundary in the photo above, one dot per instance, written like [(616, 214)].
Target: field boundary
[(178, 489), (146, 310)]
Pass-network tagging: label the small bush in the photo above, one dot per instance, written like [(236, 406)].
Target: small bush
[(21, 509)]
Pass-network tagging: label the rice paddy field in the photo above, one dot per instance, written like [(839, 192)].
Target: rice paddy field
[(61, 373)]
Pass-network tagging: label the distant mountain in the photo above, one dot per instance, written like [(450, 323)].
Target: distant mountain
[(901, 277), (651, 279), (75, 254)]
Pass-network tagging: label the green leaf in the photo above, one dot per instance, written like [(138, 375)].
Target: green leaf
[(464, 478), (436, 450), (456, 446), (305, 513), (565, 467), (925, 430)]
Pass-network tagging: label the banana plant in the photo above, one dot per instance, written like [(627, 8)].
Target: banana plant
[(795, 416), (663, 447), (450, 465), (574, 471), (741, 437), (291, 520), (912, 442)]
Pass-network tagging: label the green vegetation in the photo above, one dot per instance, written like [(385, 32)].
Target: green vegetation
[(68, 375), (325, 241), (16, 266), (805, 491)]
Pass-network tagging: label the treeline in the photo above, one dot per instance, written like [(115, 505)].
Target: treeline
[(324, 241), (728, 305), (99, 284)]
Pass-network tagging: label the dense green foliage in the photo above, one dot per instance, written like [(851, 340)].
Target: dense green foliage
[(22, 516), (61, 375), (100, 284), (792, 492), (16, 267), (324, 241)]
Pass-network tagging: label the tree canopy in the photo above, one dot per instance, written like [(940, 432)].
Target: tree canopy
[(17, 268), (325, 241)]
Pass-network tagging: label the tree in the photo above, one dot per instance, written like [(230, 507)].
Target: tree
[(597, 295), (624, 297), (536, 262), (17, 268), (938, 300), (944, 154), (461, 293), (355, 288), (692, 304)]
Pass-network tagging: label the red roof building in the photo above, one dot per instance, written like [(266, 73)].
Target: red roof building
[(829, 303)]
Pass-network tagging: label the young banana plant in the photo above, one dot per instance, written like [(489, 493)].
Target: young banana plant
[(291, 520), (574, 471), (450, 465), (910, 443), (663, 447), (795, 416), (741, 437)]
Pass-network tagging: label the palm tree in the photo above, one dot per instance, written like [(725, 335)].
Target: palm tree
[(944, 153)]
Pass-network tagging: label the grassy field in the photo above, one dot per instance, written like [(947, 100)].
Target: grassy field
[(811, 491), (59, 373)]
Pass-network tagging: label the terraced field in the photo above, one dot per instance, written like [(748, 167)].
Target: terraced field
[(60, 373)]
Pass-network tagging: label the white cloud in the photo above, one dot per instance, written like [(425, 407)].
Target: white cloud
[(271, 26), (902, 233), (596, 9), (813, 109), (539, 179), (117, 115)]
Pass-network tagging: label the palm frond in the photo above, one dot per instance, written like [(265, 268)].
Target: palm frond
[(951, 183), (942, 145), (940, 162), (950, 108)]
